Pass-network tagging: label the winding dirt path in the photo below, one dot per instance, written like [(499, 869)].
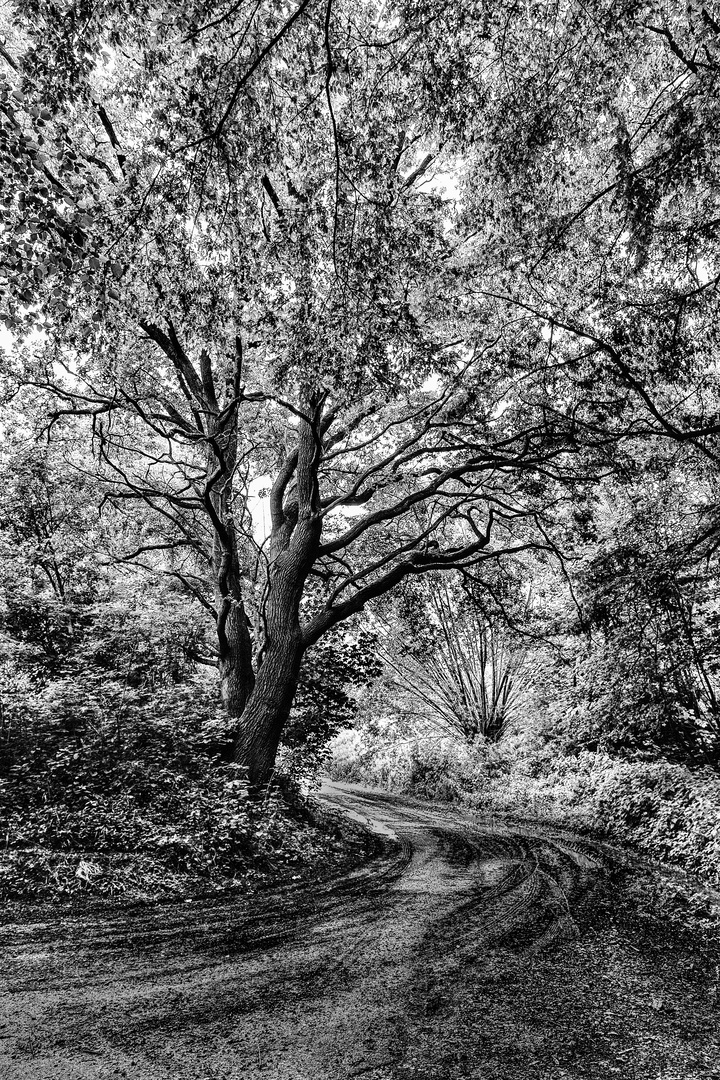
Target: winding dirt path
[(466, 949)]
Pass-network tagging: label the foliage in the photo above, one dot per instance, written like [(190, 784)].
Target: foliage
[(647, 676), (591, 200), (427, 767), (313, 302), (110, 782), (261, 287), (114, 777), (50, 527)]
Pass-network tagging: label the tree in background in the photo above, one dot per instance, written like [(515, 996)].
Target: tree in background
[(649, 590), (589, 144), (78, 633), (463, 673)]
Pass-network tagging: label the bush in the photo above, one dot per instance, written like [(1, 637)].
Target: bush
[(140, 808), (333, 675), (672, 811), (112, 772), (111, 780)]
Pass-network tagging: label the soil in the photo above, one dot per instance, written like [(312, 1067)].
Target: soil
[(464, 948)]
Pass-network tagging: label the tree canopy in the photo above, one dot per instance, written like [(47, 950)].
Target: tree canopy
[(412, 277)]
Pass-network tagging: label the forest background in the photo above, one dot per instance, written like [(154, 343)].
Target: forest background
[(359, 400)]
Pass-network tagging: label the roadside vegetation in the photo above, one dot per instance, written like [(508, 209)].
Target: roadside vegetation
[(116, 772), (667, 811)]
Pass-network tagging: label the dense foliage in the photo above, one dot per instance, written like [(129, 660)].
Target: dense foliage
[(115, 772)]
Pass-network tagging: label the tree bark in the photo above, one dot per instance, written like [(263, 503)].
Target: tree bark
[(235, 668), (270, 702), (234, 657), (234, 642), (295, 539), (268, 709)]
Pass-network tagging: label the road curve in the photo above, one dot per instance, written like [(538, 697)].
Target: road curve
[(466, 949)]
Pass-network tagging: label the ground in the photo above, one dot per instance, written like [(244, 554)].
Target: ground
[(466, 949)]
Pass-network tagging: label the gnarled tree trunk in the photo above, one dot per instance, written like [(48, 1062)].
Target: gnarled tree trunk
[(237, 677), (295, 537), (235, 668), (270, 702), (268, 709)]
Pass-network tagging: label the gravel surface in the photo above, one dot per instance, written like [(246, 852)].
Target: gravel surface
[(466, 948)]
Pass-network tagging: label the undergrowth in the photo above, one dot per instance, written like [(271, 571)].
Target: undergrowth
[(139, 805), (114, 782)]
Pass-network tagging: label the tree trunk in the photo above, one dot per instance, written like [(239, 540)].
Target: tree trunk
[(234, 643), (234, 661), (268, 708), (295, 537), (270, 702), (235, 650)]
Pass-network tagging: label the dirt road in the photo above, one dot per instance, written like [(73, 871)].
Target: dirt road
[(465, 949)]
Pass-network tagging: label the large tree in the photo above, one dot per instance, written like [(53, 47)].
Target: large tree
[(229, 229), (231, 263)]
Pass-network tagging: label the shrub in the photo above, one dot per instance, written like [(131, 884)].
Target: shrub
[(109, 788)]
